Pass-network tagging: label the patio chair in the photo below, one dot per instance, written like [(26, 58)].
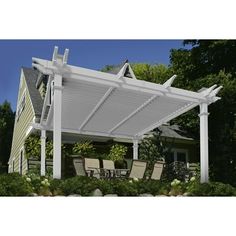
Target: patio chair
[(92, 167), (138, 169), (109, 168), (79, 167), (157, 170)]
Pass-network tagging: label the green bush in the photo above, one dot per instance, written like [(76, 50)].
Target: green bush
[(106, 186), (84, 149), (220, 189), (79, 185), (117, 152), (32, 146), (56, 187), (125, 188), (154, 187), (211, 189), (14, 185)]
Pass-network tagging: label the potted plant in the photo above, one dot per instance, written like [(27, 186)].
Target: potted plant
[(83, 149), (117, 154)]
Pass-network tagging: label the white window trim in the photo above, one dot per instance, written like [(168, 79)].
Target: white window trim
[(21, 160), (21, 81), (23, 96), (176, 150)]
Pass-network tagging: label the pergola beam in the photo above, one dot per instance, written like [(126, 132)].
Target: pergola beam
[(82, 132), (45, 104), (50, 113), (79, 73), (169, 82), (96, 108), (43, 153), (168, 118), (135, 149), (133, 113)]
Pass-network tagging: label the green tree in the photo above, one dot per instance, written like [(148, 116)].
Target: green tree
[(156, 73), (211, 62), (6, 131)]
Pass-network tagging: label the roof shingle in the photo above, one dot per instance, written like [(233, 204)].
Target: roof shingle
[(31, 77)]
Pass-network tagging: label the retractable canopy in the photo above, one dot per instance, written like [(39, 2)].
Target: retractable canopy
[(89, 102), (113, 105)]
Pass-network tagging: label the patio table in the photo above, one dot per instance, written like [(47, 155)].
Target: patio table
[(122, 172)]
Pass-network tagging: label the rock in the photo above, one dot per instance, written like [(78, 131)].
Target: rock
[(97, 193), (111, 195), (74, 195), (161, 195), (34, 195), (146, 195), (186, 194)]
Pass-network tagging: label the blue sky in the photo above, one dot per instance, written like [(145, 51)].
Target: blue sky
[(94, 54)]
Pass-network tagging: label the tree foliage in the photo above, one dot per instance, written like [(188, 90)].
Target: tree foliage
[(211, 62), (202, 64), (6, 131)]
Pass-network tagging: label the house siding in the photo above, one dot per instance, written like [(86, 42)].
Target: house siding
[(42, 90), (20, 128)]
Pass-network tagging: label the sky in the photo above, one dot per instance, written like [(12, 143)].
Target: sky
[(92, 54)]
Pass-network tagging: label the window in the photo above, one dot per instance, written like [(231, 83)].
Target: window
[(21, 106), (21, 162), (179, 155)]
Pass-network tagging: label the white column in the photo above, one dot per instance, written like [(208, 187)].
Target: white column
[(204, 142), (135, 149), (43, 154), (57, 98)]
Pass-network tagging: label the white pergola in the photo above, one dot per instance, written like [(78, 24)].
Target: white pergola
[(88, 102)]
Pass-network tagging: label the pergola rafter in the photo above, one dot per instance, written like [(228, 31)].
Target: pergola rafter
[(96, 103)]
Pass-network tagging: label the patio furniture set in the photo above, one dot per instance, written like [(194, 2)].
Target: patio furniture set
[(91, 167)]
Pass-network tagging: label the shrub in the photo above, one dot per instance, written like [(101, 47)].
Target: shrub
[(106, 186), (153, 187), (79, 185), (220, 189), (83, 149), (32, 146), (198, 189), (56, 187), (177, 187), (210, 189), (117, 152), (14, 185), (125, 188)]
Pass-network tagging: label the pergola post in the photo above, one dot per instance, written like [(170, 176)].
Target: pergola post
[(57, 126), (135, 149), (204, 142), (43, 154)]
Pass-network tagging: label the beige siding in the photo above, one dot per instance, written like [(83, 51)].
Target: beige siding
[(42, 89), (20, 128)]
